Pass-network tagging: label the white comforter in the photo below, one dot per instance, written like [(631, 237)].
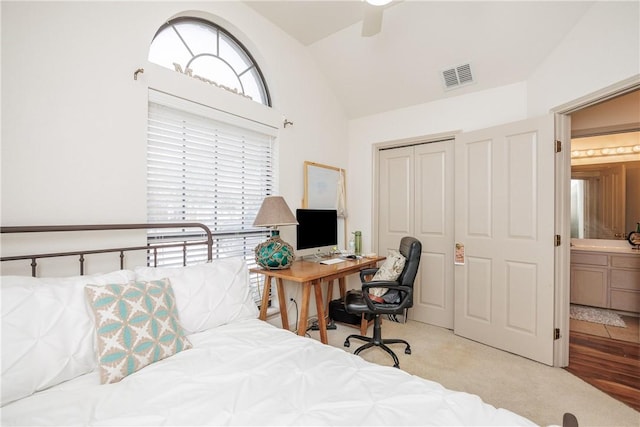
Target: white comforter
[(251, 373)]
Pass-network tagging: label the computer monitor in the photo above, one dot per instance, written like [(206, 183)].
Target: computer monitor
[(317, 228)]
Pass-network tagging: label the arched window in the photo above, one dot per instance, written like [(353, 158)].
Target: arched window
[(206, 51)]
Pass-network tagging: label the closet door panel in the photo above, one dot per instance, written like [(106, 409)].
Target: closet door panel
[(434, 227), (396, 202)]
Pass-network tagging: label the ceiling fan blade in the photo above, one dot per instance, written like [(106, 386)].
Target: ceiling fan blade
[(372, 22)]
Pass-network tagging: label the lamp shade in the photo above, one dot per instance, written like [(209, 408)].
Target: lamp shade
[(273, 212)]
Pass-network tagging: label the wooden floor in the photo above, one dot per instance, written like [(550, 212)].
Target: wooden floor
[(611, 364)]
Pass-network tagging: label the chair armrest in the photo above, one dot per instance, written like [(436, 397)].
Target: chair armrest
[(367, 300), (367, 272), (385, 284), (379, 284), (408, 290)]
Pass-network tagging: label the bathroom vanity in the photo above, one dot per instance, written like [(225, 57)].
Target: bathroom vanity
[(605, 276)]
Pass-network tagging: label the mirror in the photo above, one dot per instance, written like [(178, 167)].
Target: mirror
[(605, 168), (602, 205)]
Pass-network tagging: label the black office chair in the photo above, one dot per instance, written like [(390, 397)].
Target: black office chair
[(359, 302)]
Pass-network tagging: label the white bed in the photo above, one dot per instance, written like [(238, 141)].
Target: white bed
[(239, 371), (251, 373)]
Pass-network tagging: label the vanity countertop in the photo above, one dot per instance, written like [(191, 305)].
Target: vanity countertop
[(606, 246), (605, 249)]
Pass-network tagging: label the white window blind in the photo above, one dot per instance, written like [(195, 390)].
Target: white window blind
[(207, 166)]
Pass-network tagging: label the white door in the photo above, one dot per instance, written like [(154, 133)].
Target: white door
[(504, 218), (416, 199), (396, 201), (433, 226)]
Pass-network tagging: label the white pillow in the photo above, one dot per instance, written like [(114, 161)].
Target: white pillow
[(207, 295), (47, 331)]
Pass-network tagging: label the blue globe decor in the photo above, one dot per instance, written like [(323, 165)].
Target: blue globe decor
[(275, 253)]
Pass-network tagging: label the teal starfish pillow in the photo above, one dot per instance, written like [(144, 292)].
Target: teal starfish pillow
[(136, 324)]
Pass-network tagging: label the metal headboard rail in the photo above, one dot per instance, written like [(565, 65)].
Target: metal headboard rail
[(109, 227)]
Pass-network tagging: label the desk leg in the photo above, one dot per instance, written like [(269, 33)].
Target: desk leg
[(364, 325), (322, 322), (265, 297), (329, 295), (342, 283), (282, 300), (304, 309)]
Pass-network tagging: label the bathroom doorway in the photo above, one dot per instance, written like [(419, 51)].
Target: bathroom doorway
[(605, 174)]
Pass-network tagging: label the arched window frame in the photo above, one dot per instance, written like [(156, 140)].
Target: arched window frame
[(258, 78)]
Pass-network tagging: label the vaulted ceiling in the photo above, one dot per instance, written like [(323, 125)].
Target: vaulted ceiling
[(502, 42)]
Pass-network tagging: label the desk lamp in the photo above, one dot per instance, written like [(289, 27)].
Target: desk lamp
[(274, 254)]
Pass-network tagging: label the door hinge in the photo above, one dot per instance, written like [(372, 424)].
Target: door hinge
[(556, 334), (557, 240), (558, 146)]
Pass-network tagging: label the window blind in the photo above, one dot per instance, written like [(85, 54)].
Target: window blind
[(203, 168)]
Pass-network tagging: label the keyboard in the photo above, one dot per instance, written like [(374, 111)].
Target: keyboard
[(332, 261)]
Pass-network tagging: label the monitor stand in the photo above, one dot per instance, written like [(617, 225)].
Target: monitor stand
[(318, 256)]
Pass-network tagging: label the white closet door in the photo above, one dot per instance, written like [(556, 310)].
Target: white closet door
[(433, 299), (396, 200), (416, 199)]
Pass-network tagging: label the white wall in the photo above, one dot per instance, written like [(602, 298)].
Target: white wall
[(74, 120), (602, 49), (74, 123)]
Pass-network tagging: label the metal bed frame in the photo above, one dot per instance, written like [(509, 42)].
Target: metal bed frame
[(200, 238)]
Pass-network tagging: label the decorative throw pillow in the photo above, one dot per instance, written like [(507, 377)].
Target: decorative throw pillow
[(136, 325), (390, 270)]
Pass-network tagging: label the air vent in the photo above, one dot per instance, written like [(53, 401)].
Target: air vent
[(457, 76)]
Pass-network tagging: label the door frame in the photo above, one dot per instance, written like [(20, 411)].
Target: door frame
[(563, 205)]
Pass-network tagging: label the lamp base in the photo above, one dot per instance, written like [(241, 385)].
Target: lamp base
[(274, 253)]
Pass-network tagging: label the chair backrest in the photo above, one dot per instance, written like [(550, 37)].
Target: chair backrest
[(411, 249)]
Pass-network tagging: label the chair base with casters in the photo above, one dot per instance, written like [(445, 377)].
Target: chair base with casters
[(377, 341)]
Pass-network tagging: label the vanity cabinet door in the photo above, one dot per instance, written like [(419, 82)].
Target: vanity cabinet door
[(621, 261), (625, 300), (589, 258), (589, 285), (625, 289)]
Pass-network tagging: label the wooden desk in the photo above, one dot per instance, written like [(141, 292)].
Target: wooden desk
[(310, 274)]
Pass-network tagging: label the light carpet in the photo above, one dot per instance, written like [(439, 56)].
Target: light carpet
[(536, 391), (596, 315)]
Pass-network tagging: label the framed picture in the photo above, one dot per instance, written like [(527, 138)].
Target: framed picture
[(323, 187)]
